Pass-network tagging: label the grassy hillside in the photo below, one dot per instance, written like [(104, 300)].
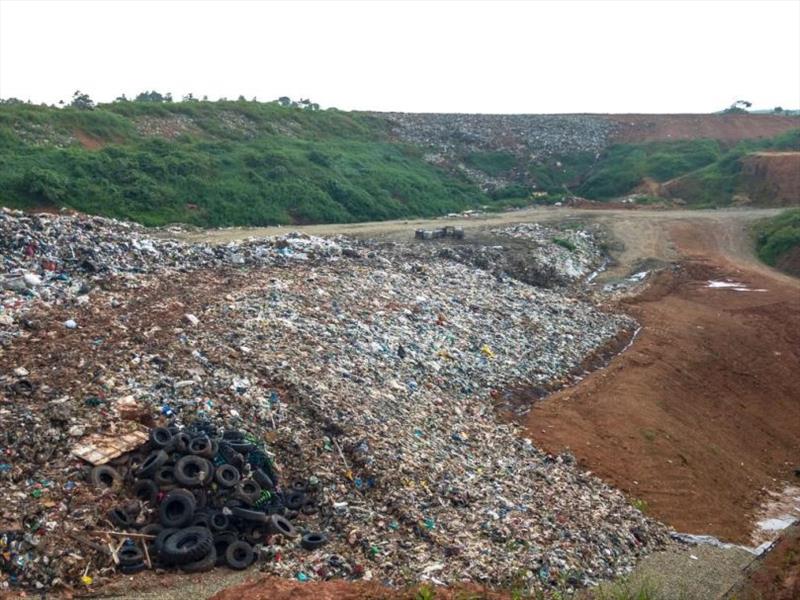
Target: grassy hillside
[(778, 241), (218, 163)]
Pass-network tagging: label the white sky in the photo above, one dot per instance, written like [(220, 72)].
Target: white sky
[(490, 57)]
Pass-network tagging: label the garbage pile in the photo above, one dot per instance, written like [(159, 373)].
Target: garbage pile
[(203, 498), (371, 371)]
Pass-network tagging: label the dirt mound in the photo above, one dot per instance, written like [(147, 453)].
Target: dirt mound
[(772, 178), (701, 412), (726, 128), (777, 574)]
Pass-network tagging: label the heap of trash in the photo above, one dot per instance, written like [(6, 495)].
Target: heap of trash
[(363, 376)]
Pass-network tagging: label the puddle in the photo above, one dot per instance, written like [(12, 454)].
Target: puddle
[(732, 285), (780, 510)]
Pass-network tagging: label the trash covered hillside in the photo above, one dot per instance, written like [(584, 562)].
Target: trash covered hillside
[(311, 408)]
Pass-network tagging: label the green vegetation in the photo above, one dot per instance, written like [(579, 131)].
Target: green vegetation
[(712, 173), (778, 236), (622, 167), (491, 163), (564, 243), (226, 163)]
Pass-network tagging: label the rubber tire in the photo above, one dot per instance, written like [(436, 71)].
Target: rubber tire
[(264, 480), (160, 437), (166, 512), (201, 446), (158, 543), (239, 555), (232, 435), (208, 562), (120, 518), (180, 442), (151, 464), (248, 490), (99, 474), (219, 521), (187, 545), (131, 569), (222, 540), (312, 541), (146, 490), (165, 477), (231, 456), (280, 525), (227, 476), (130, 556), (205, 471), (294, 500), (249, 515)]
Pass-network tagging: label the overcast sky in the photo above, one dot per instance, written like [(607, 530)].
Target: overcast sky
[(489, 57)]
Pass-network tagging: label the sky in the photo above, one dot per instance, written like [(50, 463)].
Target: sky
[(472, 57)]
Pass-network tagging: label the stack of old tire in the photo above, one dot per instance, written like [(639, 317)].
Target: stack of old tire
[(207, 496)]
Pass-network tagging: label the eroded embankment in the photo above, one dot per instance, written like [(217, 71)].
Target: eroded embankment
[(701, 414)]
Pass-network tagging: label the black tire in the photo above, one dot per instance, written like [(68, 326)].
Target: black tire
[(201, 519), (201, 497), (160, 437), (239, 555), (264, 480), (165, 477), (219, 521), (187, 545), (201, 446), (227, 476), (130, 555), (299, 486), (150, 465), (120, 518), (180, 441), (231, 456), (248, 490), (208, 562), (249, 515), (146, 491), (158, 543), (280, 525), (105, 476), (177, 509), (242, 447), (131, 569), (193, 471), (309, 508), (294, 500), (256, 533), (221, 542), (232, 435), (151, 529), (312, 541)]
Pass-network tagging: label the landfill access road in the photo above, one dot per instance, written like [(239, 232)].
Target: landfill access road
[(698, 418)]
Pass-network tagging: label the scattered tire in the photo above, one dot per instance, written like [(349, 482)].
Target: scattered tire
[(146, 491), (257, 533), (193, 471), (129, 556), (165, 476), (248, 490), (239, 555), (232, 435), (221, 542), (201, 446), (187, 545), (249, 515), (105, 476), (264, 480), (280, 525), (200, 497), (131, 569), (294, 500), (201, 519), (160, 437), (227, 476), (161, 537), (120, 518), (208, 562), (312, 541), (154, 460), (219, 521), (177, 509), (180, 441)]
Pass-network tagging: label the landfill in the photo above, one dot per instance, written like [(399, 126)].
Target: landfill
[(368, 371)]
